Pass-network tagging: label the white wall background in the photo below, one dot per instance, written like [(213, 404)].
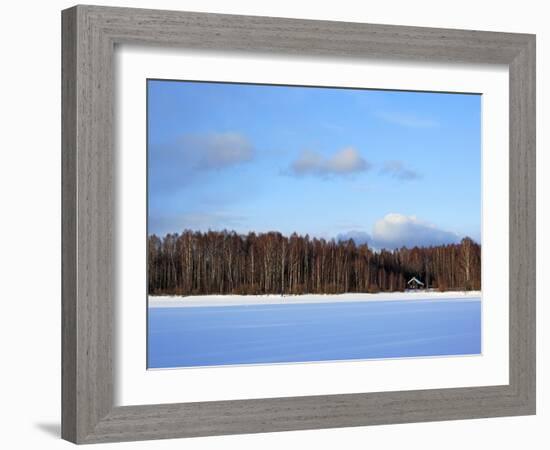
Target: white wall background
[(31, 209)]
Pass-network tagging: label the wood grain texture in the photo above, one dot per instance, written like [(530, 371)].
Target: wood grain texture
[(68, 226), (89, 36), (523, 224)]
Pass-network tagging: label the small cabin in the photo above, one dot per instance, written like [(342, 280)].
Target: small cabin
[(415, 283)]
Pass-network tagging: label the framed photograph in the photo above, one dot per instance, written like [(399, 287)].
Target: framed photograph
[(278, 224)]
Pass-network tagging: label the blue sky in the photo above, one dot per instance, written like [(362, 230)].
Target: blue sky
[(387, 167)]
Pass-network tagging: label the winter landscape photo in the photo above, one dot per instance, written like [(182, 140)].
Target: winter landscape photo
[(293, 224)]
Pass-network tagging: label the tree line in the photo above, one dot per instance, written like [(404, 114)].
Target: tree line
[(224, 262)]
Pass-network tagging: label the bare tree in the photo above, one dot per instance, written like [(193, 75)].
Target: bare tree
[(227, 263)]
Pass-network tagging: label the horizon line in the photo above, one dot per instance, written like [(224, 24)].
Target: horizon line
[(312, 237)]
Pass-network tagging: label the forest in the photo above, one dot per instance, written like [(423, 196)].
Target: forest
[(224, 262)]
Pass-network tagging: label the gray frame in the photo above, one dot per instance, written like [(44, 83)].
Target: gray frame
[(89, 36)]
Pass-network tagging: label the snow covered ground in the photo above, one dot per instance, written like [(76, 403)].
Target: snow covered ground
[(234, 300)]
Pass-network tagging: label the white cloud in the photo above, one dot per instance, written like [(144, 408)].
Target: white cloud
[(216, 150), (397, 169), (397, 230), (193, 157), (344, 162)]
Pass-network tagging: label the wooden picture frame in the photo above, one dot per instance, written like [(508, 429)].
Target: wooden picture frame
[(90, 34)]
